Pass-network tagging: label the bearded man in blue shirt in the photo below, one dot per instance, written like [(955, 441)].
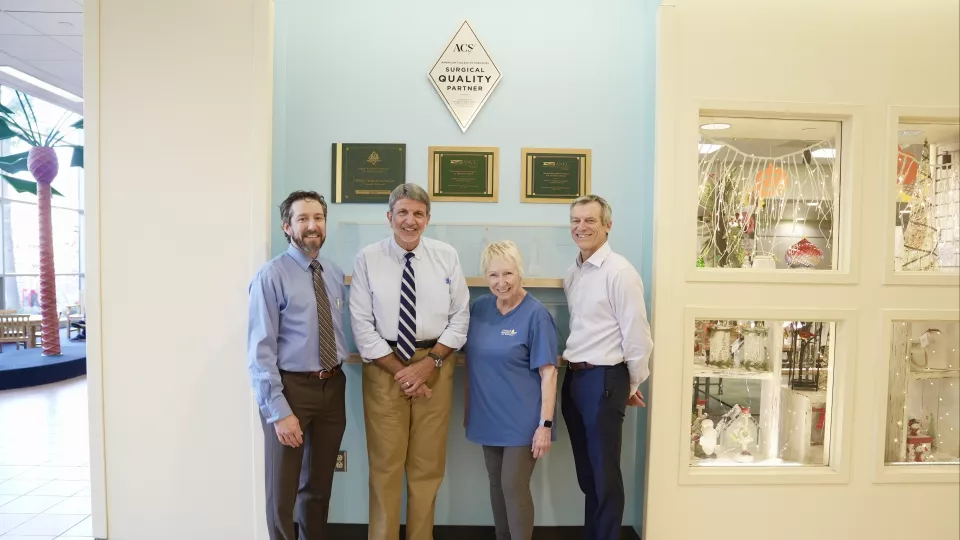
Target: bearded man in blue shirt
[(296, 347)]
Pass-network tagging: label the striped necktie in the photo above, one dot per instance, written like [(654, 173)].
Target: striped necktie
[(407, 323), (328, 344)]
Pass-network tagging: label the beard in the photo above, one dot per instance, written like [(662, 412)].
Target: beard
[(309, 243)]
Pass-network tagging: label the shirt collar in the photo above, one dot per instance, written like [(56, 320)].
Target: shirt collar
[(300, 257), (598, 257), (399, 252)]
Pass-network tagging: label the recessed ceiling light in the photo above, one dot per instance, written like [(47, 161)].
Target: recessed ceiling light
[(824, 153), (910, 132), (715, 126), (31, 80), (813, 204), (709, 148)]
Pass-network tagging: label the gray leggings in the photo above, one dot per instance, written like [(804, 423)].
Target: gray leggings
[(510, 469)]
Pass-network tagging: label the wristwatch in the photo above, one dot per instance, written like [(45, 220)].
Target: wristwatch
[(436, 358), (546, 423)]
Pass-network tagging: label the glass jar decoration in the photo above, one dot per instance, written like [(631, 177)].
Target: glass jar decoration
[(754, 350), (721, 338), (764, 260)]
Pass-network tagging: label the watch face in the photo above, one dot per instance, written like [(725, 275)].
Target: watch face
[(547, 423)]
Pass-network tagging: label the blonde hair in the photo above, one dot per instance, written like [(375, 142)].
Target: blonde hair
[(505, 250)]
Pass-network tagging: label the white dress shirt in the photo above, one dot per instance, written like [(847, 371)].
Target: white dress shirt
[(443, 299), (608, 319)]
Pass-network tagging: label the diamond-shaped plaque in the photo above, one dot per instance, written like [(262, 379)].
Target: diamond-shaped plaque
[(464, 76)]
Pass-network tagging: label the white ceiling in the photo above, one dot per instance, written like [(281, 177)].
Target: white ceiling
[(44, 38)]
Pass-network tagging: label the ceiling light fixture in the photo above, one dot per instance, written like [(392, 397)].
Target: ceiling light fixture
[(713, 127), (824, 153), (813, 204), (33, 81), (910, 132)]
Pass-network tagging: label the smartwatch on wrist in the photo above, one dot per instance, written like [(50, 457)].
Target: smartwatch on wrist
[(436, 358), (546, 423)]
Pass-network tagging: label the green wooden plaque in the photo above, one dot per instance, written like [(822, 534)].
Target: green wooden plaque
[(367, 173), (464, 173), (552, 175)]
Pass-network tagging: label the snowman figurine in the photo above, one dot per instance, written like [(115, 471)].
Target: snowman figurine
[(742, 436), (697, 427), (708, 438)]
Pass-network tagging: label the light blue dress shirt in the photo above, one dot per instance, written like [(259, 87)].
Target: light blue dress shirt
[(284, 332)]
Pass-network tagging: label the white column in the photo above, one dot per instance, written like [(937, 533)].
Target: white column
[(178, 115)]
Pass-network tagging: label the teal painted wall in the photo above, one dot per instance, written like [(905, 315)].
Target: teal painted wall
[(574, 75)]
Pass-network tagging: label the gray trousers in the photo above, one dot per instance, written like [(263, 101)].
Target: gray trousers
[(510, 469)]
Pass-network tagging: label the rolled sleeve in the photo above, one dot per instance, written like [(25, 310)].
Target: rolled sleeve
[(369, 343), (455, 334), (631, 313), (543, 341), (264, 323)]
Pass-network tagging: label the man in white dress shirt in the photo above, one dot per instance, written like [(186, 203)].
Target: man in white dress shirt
[(409, 307), (608, 353)]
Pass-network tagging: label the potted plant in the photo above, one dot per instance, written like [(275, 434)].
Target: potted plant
[(42, 164)]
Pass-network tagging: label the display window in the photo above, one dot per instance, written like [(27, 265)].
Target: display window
[(923, 394), (761, 393), (768, 194), (927, 204)]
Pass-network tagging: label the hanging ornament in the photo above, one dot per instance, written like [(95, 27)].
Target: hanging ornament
[(803, 254), (770, 182)]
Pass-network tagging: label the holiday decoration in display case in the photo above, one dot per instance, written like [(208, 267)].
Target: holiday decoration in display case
[(923, 400), (748, 406), (927, 231), (768, 193)]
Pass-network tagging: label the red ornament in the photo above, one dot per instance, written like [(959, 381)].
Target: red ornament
[(803, 254)]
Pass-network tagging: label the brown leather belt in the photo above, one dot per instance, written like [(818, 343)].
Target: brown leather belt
[(314, 374), (579, 366)]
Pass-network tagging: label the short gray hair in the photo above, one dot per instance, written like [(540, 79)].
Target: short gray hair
[(505, 250), (606, 212), (409, 191)]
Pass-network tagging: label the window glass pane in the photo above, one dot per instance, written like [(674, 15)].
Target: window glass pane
[(927, 234), (769, 193), (49, 117), (761, 393), (23, 292), (923, 406), (21, 239)]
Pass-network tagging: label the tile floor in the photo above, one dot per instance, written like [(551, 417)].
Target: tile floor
[(44, 463)]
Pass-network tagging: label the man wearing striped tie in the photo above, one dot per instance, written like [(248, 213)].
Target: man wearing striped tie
[(409, 309), (296, 346)]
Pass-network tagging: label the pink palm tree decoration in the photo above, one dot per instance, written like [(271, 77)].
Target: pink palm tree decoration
[(44, 166), (42, 163)]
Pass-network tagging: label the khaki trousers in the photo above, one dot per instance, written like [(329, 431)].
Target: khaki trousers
[(405, 435)]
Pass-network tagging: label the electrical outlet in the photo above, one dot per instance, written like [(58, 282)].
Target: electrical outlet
[(341, 461)]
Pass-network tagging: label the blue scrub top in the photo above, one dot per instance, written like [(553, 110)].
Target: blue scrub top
[(504, 353)]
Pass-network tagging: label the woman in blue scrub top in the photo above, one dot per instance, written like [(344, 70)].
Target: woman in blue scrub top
[(511, 354)]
